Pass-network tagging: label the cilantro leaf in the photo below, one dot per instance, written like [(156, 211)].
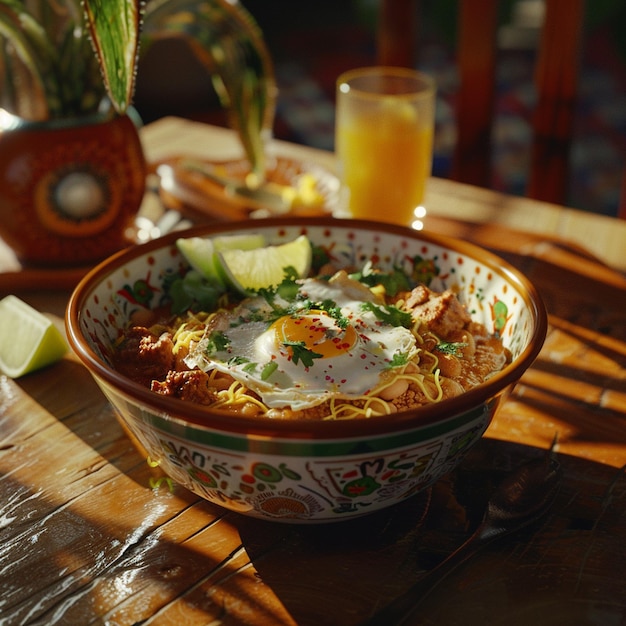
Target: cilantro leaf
[(191, 292), (399, 359), (288, 288), (217, 341), (394, 281), (320, 257), (240, 360), (424, 270), (333, 309), (389, 314), (268, 294), (450, 347), (299, 352)]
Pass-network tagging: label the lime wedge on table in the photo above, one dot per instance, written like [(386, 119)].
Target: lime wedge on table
[(250, 270), (201, 252), (28, 339)]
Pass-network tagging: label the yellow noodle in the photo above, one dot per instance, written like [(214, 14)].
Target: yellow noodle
[(434, 366), (438, 387), (416, 378), (190, 331), (185, 338), (236, 395), (353, 410)]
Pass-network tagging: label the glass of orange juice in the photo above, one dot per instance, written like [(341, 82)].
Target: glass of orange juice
[(384, 142)]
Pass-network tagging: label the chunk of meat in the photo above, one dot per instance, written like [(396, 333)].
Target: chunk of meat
[(190, 385), (144, 356), (442, 313)]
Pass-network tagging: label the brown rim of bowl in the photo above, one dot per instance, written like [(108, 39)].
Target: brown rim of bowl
[(200, 416)]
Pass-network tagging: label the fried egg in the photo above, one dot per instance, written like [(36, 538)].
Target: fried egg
[(323, 344)]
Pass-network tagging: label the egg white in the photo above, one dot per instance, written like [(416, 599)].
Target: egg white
[(257, 358)]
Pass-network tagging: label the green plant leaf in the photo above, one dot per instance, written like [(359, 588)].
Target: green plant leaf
[(48, 68), (227, 41), (30, 44), (114, 28)]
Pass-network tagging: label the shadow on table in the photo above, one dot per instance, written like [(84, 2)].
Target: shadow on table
[(570, 564)]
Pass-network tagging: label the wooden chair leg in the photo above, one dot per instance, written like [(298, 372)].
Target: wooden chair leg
[(556, 80), (397, 32), (475, 99)]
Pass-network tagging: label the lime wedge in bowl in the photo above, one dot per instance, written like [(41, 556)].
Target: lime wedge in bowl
[(262, 268), (201, 253)]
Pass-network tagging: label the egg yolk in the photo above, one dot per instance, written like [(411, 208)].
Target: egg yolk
[(318, 331)]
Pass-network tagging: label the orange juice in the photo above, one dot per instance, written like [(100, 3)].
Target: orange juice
[(384, 142), (384, 166)]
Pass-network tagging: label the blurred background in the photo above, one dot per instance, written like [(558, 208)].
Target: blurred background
[(311, 43)]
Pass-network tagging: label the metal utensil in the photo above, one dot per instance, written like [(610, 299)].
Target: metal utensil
[(522, 498)]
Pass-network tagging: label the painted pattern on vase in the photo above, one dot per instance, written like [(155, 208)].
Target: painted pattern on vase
[(69, 189)]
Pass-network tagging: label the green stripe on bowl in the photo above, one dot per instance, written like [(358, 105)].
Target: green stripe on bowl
[(303, 448)]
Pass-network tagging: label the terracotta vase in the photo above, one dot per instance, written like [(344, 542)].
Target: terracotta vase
[(69, 188)]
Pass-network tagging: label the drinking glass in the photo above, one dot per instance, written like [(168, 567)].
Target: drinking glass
[(384, 142)]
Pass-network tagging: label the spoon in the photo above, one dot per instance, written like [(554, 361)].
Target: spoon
[(521, 498)]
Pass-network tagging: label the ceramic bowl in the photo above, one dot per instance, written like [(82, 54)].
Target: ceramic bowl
[(307, 471)]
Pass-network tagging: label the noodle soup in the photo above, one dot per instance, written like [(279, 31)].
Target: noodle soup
[(344, 343)]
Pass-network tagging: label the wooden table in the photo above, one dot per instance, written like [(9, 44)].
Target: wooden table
[(92, 535)]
